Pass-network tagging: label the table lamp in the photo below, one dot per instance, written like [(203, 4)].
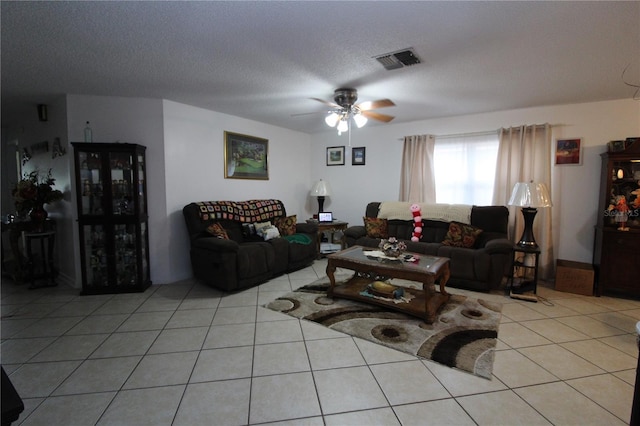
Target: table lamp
[(321, 189), (530, 196)]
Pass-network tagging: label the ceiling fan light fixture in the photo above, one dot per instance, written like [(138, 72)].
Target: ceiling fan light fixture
[(360, 120), (343, 126), (332, 119)]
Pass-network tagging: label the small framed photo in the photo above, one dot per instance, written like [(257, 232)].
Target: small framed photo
[(335, 156), (358, 156), (245, 157), (568, 152), (616, 146)]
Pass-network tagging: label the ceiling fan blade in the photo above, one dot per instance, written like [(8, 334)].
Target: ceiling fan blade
[(382, 103), (377, 116), (309, 113), (331, 104)]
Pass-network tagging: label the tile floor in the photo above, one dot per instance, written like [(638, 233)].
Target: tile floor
[(186, 354)]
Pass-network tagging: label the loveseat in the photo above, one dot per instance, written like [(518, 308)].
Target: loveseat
[(479, 266), (229, 254)]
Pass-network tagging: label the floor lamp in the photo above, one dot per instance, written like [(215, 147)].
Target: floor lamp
[(530, 196), (321, 189)]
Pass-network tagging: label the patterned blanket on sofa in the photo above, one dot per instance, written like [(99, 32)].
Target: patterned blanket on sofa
[(241, 211)]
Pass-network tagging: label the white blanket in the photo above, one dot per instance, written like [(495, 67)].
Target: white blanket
[(444, 212)]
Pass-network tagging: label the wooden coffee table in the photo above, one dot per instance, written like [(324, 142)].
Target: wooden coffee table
[(427, 271)]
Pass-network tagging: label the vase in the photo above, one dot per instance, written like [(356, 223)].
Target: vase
[(392, 251), (38, 215)]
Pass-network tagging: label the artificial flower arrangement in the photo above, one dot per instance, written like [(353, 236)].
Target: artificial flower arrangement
[(392, 247), (33, 191)]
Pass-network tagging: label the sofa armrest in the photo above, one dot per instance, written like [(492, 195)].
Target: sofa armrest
[(216, 244), (307, 228), (355, 232), (499, 245)]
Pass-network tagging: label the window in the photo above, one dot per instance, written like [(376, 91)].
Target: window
[(465, 167)]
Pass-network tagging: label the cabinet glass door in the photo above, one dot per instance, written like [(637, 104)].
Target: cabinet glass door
[(121, 182), (95, 247), (141, 178), (92, 200), (126, 265)]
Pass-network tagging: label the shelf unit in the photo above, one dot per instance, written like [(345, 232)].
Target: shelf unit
[(111, 193), (524, 270), (616, 254)]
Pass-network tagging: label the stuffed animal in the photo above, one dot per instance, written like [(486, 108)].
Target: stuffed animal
[(417, 223)]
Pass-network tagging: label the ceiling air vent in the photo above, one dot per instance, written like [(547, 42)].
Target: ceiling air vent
[(399, 59)]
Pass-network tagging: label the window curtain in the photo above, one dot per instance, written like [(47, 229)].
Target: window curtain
[(524, 154), (417, 179)]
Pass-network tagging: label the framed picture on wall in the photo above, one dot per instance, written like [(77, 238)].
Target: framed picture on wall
[(335, 156), (245, 157), (568, 151), (358, 156)]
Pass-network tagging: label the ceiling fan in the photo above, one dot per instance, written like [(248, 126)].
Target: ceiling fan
[(345, 107)]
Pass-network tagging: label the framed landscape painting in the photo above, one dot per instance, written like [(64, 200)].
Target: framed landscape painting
[(358, 156), (568, 151), (245, 157), (335, 156)]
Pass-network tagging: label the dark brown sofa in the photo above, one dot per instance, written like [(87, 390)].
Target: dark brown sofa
[(244, 259), (481, 267)]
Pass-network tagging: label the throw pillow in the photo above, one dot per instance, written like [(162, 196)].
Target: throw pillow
[(217, 231), (260, 225), (376, 228), (286, 225), (461, 235)]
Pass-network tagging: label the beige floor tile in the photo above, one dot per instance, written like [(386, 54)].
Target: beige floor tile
[(459, 383), (515, 335), (602, 355), (520, 311), (69, 410), (179, 340), (552, 311), (126, 344), (627, 343), (295, 398), (118, 306), (199, 300), (348, 389), (191, 318), (71, 347), (224, 336), (223, 364), (443, 412), (48, 327), (501, 408), (618, 320), (629, 376), (42, 378), (408, 382), (265, 297), (334, 353), (162, 370), (98, 324), (90, 376), (143, 407), (237, 315), (9, 327), (244, 298), (515, 370), (280, 358), (607, 391), (22, 350), (278, 332), (590, 326), (560, 362), (375, 417), (563, 405), (146, 321), (554, 331), (215, 403), (378, 354), (582, 305)]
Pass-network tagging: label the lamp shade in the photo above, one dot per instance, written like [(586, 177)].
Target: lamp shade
[(530, 194), (320, 189)]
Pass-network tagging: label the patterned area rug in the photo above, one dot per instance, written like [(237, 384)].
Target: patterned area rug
[(463, 336)]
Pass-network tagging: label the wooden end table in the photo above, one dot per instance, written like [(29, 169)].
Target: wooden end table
[(429, 269), (331, 227)]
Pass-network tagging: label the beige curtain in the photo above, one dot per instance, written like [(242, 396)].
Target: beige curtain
[(417, 179), (524, 154)]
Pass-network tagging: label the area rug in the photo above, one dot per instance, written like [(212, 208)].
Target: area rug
[(463, 336)]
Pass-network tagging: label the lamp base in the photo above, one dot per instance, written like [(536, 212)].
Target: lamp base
[(320, 203), (527, 240)]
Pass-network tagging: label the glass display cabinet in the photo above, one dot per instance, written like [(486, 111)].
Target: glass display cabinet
[(616, 254), (111, 192)]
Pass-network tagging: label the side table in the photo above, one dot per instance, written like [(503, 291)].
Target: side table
[(331, 228), (46, 269), (524, 273)]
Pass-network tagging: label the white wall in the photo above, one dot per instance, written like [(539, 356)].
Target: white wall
[(575, 188), (194, 153)]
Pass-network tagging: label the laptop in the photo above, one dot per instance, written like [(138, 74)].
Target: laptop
[(324, 217)]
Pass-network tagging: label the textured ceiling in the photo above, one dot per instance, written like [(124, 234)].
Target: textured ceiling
[(264, 60)]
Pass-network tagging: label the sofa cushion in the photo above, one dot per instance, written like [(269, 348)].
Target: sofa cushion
[(376, 228), (286, 225), (217, 231), (461, 235)]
